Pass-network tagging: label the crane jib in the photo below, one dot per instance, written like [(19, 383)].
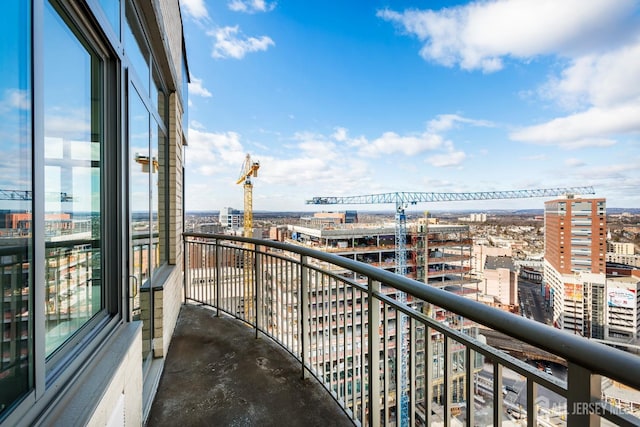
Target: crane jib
[(416, 197)]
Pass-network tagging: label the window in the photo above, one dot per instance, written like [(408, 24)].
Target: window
[(52, 215), (111, 9), (147, 153), (73, 121), (16, 183)]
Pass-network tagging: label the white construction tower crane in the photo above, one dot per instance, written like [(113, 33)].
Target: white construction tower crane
[(401, 201)]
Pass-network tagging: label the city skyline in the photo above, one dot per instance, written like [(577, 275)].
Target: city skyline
[(340, 99)]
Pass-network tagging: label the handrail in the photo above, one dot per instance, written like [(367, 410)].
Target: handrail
[(315, 311), (597, 357)]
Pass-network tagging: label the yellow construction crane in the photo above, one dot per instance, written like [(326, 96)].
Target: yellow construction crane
[(249, 169)]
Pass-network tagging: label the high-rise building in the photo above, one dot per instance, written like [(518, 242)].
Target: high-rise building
[(574, 262), (230, 218), (437, 255), (623, 309)]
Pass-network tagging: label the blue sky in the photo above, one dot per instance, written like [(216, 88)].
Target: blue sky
[(339, 98)]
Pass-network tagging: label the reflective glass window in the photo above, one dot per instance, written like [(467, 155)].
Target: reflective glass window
[(143, 170), (136, 50), (159, 187), (111, 9), (185, 98), (16, 182), (73, 120)]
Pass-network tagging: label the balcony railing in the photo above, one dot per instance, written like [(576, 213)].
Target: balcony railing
[(439, 369)]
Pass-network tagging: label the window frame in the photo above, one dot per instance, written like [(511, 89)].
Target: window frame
[(57, 374)]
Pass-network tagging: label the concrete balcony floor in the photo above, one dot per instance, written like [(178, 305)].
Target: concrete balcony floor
[(217, 373)]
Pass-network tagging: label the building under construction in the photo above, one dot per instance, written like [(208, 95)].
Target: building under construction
[(437, 254)]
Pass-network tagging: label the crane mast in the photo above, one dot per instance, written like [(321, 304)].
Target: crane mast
[(401, 201), (249, 169)]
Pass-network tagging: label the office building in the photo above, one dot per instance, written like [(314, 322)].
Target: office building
[(574, 263), (623, 310), (501, 281), (231, 218)]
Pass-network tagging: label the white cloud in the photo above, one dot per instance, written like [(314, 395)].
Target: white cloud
[(68, 124), (210, 153), (391, 143), (409, 145), (445, 122), (618, 181), (316, 146), (231, 43), (480, 34), (196, 125), (590, 128), (573, 162), (340, 134), (597, 41), (604, 88), (251, 6), (196, 88), (195, 8), (450, 158), (600, 79), (536, 157), (15, 99)]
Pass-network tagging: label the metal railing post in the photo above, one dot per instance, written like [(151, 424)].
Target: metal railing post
[(187, 271), (218, 263), (428, 374), (498, 401), (303, 328), (532, 407), (257, 284), (373, 354), (582, 389), (468, 385)]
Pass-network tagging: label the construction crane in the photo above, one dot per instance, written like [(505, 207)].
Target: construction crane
[(249, 169), (25, 195), (402, 200)]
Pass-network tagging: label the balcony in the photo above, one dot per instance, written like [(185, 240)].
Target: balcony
[(268, 301)]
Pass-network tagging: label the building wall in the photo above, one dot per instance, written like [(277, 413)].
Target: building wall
[(623, 309), (449, 247), (502, 283), (575, 234), (621, 248), (632, 260), (481, 252), (574, 254), (121, 398), (231, 218)]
